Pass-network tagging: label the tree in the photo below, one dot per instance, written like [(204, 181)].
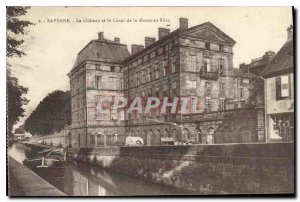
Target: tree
[(20, 130), (15, 29), (256, 93), (15, 102), (51, 115)]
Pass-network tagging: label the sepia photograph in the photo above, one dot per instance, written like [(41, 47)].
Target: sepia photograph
[(150, 101)]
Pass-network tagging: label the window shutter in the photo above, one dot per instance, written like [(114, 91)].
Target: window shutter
[(278, 88), (285, 86), (290, 87)]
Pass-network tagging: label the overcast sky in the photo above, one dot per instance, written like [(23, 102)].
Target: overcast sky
[(51, 48)]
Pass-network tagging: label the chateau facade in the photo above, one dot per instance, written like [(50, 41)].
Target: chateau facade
[(195, 62)]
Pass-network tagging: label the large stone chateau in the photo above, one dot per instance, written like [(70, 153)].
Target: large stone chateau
[(187, 62)]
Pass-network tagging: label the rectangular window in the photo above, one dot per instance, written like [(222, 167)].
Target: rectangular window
[(282, 127), (125, 84), (208, 104), (173, 64), (117, 84), (241, 92), (221, 65), (173, 84), (153, 73), (222, 86), (165, 88), (207, 45), (92, 139), (113, 83), (73, 88), (137, 79), (143, 76), (206, 65), (221, 47), (282, 87), (222, 104), (165, 71), (149, 74), (98, 82), (207, 85), (193, 63), (82, 83), (193, 84), (156, 72)]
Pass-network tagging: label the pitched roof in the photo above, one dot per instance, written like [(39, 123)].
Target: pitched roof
[(239, 73), (106, 50), (282, 62)]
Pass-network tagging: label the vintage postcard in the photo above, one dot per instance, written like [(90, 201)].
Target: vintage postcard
[(150, 101)]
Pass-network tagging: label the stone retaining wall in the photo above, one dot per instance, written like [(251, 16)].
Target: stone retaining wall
[(202, 169)]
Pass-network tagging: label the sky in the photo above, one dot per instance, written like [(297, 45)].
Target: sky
[(51, 47)]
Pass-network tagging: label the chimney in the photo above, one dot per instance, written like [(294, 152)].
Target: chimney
[(100, 35), (244, 68), (183, 23), (136, 48), (149, 41), (268, 56), (163, 32), (117, 39), (290, 33)]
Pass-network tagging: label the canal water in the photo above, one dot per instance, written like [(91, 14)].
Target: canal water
[(84, 180)]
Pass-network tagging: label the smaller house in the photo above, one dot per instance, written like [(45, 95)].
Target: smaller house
[(279, 93), (258, 65)]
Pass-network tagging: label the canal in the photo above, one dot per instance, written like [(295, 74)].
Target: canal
[(84, 180)]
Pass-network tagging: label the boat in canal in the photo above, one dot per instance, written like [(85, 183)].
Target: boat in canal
[(49, 162)]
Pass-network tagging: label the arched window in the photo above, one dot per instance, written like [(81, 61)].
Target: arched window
[(116, 138), (199, 136), (175, 134), (157, 140), (99, 139), (138, 133), (186, 134), (148, 138), (210, 135), (69, 139), (92, 139), (166, 133), (78, 140), (246, 136)]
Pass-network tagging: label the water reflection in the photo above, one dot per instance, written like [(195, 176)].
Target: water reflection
[(19, 151), (93, 181), (84, 180)]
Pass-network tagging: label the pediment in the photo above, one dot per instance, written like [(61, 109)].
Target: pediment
[(208, 31), (207, 34)]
